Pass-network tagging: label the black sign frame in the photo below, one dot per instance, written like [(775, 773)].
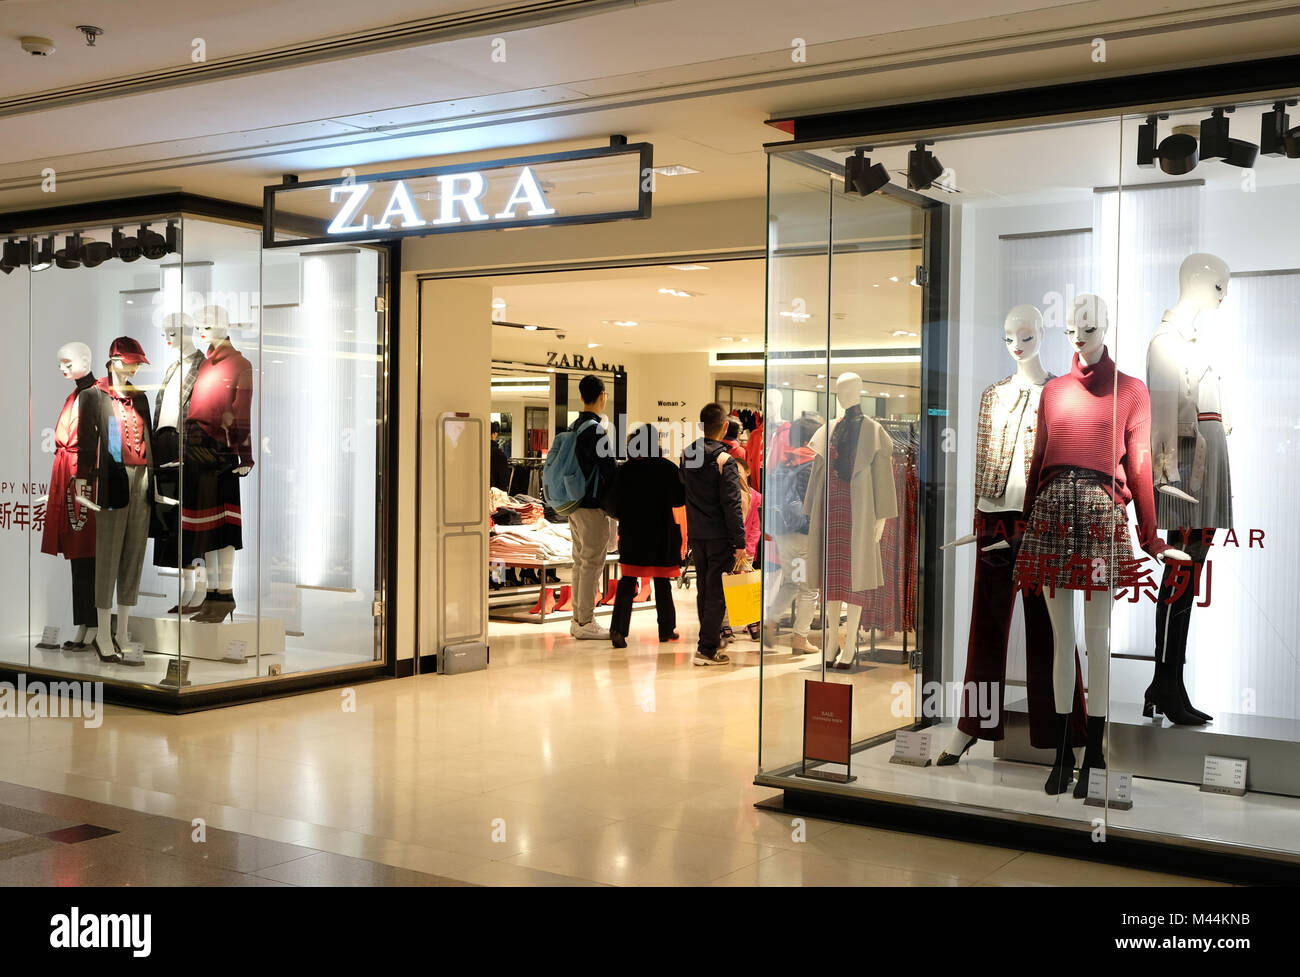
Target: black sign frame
[(644, 150)]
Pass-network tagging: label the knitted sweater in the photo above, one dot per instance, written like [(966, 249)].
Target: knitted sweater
[(1100, 419)]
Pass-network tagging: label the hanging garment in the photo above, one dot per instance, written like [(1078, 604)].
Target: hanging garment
[(69, 526)]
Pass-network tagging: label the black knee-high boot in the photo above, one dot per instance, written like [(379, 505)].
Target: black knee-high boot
[(1058, 781), (1094, 758)]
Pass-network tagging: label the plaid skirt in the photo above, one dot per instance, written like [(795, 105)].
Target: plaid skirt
[(839, 545), (1077, 536)]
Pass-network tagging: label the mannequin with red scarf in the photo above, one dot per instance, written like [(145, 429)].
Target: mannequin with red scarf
[(218, 446)]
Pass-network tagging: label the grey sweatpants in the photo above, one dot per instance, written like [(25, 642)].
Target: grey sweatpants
[(591, 531), (120, 539)]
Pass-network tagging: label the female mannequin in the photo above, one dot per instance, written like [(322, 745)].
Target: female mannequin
[(70, 525), (1008, 422), (172, 547), (853, 464), (1091, 457), (1189, 447), (218, 452), (114, 454)]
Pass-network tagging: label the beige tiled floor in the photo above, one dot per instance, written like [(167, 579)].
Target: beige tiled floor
[(563, 763)]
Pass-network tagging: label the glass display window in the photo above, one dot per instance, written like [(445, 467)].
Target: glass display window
[(1083, 332), (198, 498)]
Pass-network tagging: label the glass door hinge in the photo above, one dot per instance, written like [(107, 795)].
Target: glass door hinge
[(922, 275), (914, 660)]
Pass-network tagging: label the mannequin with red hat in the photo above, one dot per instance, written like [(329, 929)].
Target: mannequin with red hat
[(115, 458), (69, 524), (218, 453)]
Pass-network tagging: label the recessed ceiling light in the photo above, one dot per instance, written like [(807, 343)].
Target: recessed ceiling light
[(593, 345), (530, 328), (901, 332), (625, 323), (786, 384), (498, 303), (884, 393), (821, 386), (680, 293), (727, 339), (893, 278), (689, 267), (744, 339), (821, 376), (550, 369), (676, 169), (875, 285)]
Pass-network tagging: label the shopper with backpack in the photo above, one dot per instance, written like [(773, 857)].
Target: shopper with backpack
[(579, 472), (715, 524), (787, 484)]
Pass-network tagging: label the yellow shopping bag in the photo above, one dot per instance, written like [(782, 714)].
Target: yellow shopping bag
[(743, 594)]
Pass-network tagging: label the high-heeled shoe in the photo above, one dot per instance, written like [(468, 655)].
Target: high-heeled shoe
[(187, 609), (947, 759), (1094, 758), (1061, 775), (216, 609), (1162, 699), (114, 659)]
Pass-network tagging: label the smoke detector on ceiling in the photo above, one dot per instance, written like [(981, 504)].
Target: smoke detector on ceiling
[(40, 47)]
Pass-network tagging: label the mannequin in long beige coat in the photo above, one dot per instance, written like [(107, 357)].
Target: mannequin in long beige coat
[(873, 499)]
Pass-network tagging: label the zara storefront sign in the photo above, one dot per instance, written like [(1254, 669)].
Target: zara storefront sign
[(580, 187)]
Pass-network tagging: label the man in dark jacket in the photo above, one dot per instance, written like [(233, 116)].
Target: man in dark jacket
[(500, 470), (714, 524), (589, 527)]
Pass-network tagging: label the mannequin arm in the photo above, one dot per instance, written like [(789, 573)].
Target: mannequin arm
[(39, 499), (1170, 553), (1177, 493), (1001, 544), (962, 541), (162, 499), (79, 486), (243, 470)]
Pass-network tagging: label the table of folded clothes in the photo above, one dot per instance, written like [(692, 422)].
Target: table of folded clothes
[(529, 552)]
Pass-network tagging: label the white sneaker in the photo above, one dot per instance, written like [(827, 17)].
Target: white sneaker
[(591, 631), (718, 659)]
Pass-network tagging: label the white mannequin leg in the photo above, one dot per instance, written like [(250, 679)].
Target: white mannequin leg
[(832, 609), (1096, 636), (123, 620), (187, 586), (103, 634), (222, 562), (200, 573), (80, 636), (1060, 608), (847, 653)]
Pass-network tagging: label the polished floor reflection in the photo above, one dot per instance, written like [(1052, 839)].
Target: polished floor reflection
[(565, 762)]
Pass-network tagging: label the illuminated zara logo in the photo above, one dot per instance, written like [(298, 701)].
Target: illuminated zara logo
[(459, 201)]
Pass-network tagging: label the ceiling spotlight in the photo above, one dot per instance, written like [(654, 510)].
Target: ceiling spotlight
[(44, 256), (69, 256), (15, 255), (923, 167), (126, 248), (152, 244), (1176, 153), (1276, 137), (173, 238), (893, 278), (593, 346), (95, 253), (1216, 144), (861, 176), (530, 328)]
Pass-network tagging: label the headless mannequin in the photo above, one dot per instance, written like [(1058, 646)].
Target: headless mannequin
[(848, 391), (213, 330), (1203, 285), (178, 335), (1022, 334), (1086, 328)]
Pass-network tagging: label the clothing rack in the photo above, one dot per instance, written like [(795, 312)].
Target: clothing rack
[(526, 476), (895, 611)]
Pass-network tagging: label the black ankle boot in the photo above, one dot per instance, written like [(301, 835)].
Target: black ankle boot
[(1190, 709), (1094, 758), (1165, 696), (1058, 781)]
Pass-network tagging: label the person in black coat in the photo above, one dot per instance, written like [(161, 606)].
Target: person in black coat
[(648, 488), (499, 464)]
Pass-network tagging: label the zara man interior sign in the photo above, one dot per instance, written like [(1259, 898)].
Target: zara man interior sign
[(584, 186)]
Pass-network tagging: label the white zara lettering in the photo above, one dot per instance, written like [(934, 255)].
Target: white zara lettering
[(526, 191), (400, 205), (357, 194), (469, 197)]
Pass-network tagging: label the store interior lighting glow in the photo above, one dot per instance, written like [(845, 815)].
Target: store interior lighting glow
[(675, 169), (680, 293), (530, 328), (689, 267)]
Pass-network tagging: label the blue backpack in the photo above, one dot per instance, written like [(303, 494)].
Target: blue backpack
[(785, 487), (564, 485)]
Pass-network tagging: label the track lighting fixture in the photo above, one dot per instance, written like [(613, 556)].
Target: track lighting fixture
[(15, 255), (69, 256), (1216, 143), (1276, 136), (152, 244), (44, 256), (923, 167), (173, 238), (127, 248), (1176, 153), (95, 253), (861, 176)]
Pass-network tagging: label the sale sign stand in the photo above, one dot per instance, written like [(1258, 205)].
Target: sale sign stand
[(827, 729)]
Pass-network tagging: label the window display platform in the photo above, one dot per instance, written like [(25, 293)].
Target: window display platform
[(1162, 751), (985, 786)]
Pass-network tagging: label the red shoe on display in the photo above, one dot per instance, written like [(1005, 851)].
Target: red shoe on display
[(565, 599), (610, 593), (643, 594)]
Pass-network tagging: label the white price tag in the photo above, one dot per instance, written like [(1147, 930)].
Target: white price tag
[(50, 635), (912, 747), (235, 648), (1121, 789), (1224, 775)]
